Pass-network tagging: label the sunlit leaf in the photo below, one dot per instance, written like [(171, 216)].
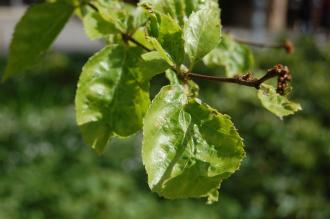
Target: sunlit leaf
[(202, 32), (275, 103), (34, 34), (111, 99), (188, 147)]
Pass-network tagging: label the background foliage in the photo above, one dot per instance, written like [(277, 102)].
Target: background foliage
[(47, 172)]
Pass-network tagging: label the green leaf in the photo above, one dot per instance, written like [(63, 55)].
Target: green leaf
[(111, 98), (188, 147), (172, 77), (275, 103), (168, 33), (234, 57), (95, 26), (152, 64), (33, 35), (202, 32)]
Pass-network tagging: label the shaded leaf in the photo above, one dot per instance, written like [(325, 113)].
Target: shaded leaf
[(34, 33), (234, 57), (202, 32), (275, 103), (188, 147), (111, 99)]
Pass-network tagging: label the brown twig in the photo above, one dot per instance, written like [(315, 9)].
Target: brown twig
[(280, 71)]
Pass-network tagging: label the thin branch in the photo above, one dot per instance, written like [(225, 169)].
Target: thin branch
[(280, 71), (287, 45)]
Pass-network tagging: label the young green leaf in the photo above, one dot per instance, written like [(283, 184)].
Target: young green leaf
[(202, 32), (168, 33), (95, 26), (275, 103), (34, 33), (111, 99), (232, 56), (188, 147)]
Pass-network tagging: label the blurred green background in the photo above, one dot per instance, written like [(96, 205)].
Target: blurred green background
[(46, 171)]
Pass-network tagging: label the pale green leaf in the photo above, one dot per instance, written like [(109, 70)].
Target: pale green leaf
[(95, 26), (111, 99), (34, 34), (275, 103), (188, 147), (230, 55), (172, 77), (202, 32)]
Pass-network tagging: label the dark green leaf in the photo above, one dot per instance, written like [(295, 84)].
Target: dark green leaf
[(275, 103), (111, 98), (188, 147), (234, 57), (34, 33), (202, 32)]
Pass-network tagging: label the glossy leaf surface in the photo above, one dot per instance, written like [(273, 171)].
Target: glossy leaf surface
[(202, 32), (234, 57), (188, 147), (275, 103), (111, 97), (34, 34)]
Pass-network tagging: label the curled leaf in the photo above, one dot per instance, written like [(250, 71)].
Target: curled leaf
[(188, 147)]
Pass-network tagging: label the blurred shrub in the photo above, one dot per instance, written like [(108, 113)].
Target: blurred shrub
[(47, 172)]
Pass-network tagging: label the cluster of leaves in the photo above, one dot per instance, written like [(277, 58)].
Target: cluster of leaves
[(188, 147)]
